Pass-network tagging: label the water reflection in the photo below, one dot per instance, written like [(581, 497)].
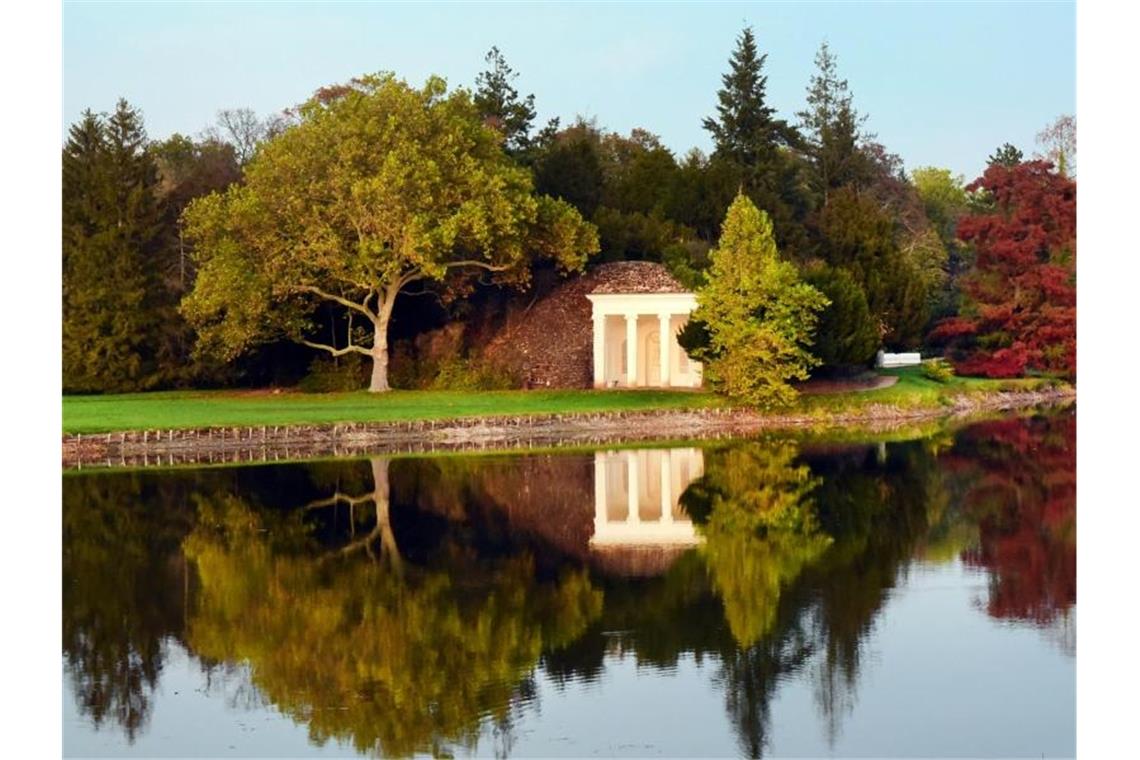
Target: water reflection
[(410, 605)]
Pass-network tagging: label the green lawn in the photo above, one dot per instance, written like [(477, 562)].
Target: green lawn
[(185, 409), (914, 390)]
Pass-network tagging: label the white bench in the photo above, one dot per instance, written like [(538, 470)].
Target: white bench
[(897, 360)]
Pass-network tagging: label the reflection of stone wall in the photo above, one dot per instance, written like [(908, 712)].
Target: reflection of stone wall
[(553, 501), (548, 498)]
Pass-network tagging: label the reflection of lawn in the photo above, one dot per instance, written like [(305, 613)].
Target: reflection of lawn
[(185, 409)]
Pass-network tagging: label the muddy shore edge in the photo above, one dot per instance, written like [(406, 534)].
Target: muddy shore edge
[(218, 445)]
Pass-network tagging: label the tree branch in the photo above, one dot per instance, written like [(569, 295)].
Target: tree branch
[(476, 263), (362, 308), (338, 497), (350, 348)]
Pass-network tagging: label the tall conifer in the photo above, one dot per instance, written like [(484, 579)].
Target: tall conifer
[(110, 232), (831, 128)]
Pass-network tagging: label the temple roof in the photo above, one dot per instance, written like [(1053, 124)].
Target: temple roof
[(635, 277)]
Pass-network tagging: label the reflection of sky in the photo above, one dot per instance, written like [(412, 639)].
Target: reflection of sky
[(937, 676)]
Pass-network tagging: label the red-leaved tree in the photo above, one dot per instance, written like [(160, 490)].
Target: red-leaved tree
[(1020, 306)]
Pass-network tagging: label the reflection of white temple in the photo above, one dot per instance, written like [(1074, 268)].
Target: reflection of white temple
[(637, 497)]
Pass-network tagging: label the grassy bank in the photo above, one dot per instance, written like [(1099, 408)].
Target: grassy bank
[(913, 390), (138, 411), (195, 409)]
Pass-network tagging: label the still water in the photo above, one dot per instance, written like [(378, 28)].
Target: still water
[(761, 597)]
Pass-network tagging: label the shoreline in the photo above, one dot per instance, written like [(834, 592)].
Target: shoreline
[(266, 443)]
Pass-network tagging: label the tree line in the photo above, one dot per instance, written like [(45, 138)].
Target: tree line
[(209, 260)]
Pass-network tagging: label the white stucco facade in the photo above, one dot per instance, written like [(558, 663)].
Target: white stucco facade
[(635, 340)]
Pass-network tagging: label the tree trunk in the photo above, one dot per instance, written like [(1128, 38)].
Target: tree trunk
[(382, 496), (379, 382)]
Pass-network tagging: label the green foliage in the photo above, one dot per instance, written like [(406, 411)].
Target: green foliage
[(847, 335), (705, 188), (570, 168), (1007, 155), (328, 375), (938, 370), (688, 262), (467, 374), (860, 237), (943, 196), (758, 315), (945, 200)]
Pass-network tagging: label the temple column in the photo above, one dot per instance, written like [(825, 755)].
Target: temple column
[(631, 468), (601, 508), (599, 350), (631, 350), (666, 340)]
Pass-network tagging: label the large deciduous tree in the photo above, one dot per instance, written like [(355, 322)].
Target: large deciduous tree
[(377, 185), (754, 319), (1021, 298)]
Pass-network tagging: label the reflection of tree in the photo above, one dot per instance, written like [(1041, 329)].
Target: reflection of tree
[(1022, 493), (393, 662), (874, 503), (123, 590), (760, 531)]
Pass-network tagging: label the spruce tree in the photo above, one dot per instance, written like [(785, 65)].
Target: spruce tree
[(831, 128), (746, 129), (110, 232), (756, 145), (1007, 155), (499, 103)]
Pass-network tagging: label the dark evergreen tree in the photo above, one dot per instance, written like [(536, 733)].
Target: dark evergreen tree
[(571, 168), (832, 129), (861, 238), (760, 147), (499, 102), (847, 335), (111, 231), (746, 129), (1007, 155)]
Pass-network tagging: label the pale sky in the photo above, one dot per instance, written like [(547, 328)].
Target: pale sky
[(943, 83)]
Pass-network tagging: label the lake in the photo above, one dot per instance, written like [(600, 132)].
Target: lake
[(771, 596)]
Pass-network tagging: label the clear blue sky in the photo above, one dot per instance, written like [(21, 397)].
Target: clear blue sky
[(943, 84)]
